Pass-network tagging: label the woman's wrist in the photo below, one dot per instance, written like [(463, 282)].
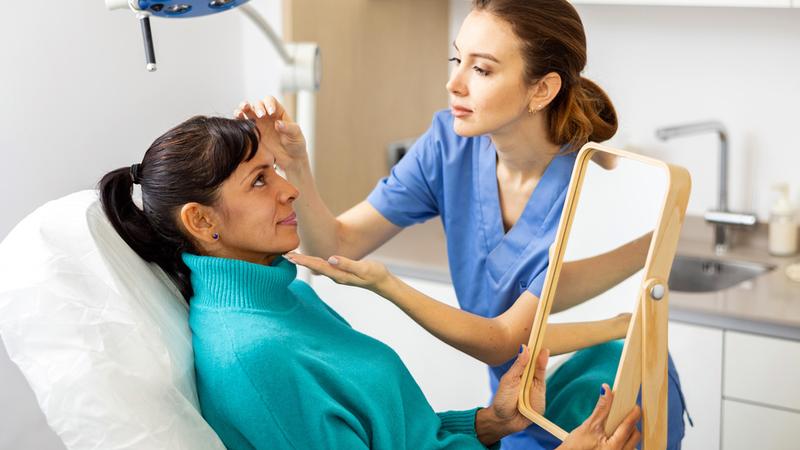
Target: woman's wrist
[(488, 427), (387, 287), (298, 168)]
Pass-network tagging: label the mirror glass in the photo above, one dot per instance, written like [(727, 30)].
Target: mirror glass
[(617, 207)]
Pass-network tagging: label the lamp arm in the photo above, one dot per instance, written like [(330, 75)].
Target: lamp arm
[(258, 20)]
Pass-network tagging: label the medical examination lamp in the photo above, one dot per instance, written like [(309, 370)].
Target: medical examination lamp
[(301, 73)]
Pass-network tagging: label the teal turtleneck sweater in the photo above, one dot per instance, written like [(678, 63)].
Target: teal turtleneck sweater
[(277, 368)]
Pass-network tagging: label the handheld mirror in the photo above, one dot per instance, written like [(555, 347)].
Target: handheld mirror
[(625, 213)]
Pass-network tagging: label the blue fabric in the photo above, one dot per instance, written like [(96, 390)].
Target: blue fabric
[(276, 368), (455, 177)]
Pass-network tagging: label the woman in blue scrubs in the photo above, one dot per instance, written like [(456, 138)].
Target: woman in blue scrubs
[(495, 168)]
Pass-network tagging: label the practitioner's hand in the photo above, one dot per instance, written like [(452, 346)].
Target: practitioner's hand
[(367, 274), (502, 417), (591, 434), (280, 135)]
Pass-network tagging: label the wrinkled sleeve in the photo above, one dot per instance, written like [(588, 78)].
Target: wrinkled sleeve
[(461, 422), (410, 193), (536, 283)]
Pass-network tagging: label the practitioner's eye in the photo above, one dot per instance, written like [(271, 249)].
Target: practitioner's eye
[(455, 60), (481, 72)]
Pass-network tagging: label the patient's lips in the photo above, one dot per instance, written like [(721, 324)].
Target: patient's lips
[(290, 220)]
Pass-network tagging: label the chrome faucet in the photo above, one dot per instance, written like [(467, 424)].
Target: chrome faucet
[(721, 217)]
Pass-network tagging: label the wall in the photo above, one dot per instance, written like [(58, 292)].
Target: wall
[(76, 102), (670, 65), (383, 78)]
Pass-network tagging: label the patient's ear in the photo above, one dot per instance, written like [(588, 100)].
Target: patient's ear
[(200, 222)]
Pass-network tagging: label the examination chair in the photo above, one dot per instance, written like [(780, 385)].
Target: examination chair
[(101, 336)]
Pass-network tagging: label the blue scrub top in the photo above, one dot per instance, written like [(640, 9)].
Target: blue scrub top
[(454, 177)]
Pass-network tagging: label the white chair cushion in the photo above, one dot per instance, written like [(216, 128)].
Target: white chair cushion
[(101, 336)]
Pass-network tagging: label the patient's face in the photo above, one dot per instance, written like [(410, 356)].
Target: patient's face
[(256, 217)]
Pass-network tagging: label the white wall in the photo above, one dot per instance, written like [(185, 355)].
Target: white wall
[(669, 65), (76, 102)]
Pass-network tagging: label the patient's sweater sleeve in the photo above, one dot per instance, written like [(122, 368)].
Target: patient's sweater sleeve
[(462, 422)]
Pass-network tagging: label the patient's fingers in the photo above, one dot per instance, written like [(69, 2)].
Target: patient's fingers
[(622, 435), (633, 440), (541, 364), (603, 407), (518, 368)]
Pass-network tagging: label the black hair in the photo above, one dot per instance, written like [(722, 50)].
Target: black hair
[(186, 164)]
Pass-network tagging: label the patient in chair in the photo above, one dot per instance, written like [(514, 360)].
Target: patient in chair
[(276, 367)]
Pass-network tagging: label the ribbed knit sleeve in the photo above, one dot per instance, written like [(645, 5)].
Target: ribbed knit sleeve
[(461, 422)]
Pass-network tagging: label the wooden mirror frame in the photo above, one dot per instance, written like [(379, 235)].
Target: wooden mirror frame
[(644, 355)]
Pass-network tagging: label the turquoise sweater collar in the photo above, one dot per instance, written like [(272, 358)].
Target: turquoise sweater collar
[(232, 283)]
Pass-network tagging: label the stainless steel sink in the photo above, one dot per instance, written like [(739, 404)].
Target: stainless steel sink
[(692, 274)]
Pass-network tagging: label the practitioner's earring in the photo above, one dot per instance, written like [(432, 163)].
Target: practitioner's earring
[(215, 236), (532, 111)]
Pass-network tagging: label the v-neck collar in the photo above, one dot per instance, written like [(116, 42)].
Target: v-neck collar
[(505, 247)]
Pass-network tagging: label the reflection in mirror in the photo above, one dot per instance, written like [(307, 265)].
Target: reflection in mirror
[(618, 207)]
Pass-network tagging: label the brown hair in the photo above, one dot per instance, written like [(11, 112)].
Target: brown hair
[(553, 40), (186, 164)]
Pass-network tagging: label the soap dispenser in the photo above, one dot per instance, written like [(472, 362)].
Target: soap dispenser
[(782, 224)]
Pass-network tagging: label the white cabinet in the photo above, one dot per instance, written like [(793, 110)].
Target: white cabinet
[(697, 353), (761, 407), (762, 370), (747, 427), (449, 378)]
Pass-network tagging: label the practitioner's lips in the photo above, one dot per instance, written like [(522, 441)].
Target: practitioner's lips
[(290, 220), (460, 111)]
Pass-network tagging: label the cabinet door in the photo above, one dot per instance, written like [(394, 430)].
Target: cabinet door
[(747, 427), (763, 370), (697, 353), (450, 379)]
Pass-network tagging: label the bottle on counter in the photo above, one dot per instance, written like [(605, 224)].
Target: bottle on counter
[(782, 224)]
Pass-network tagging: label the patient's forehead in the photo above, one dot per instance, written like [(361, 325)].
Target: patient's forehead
[(261, 158), (247, 170)]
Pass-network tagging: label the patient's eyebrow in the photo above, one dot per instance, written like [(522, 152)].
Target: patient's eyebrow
[(256, 169), (479, 55)]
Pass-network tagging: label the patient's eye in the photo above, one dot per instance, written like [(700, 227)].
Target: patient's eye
[(259, 181)]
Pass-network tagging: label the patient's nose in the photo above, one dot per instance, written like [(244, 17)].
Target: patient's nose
[(288, 193)]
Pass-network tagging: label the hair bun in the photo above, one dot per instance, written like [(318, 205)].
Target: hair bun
[(599, 109)]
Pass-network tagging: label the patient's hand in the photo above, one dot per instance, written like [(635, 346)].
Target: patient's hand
[(502, 417), (367, 274), (591, 434), (280, 135)]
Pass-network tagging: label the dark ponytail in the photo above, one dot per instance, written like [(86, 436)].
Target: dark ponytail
[(553, 40), (186, 164)]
